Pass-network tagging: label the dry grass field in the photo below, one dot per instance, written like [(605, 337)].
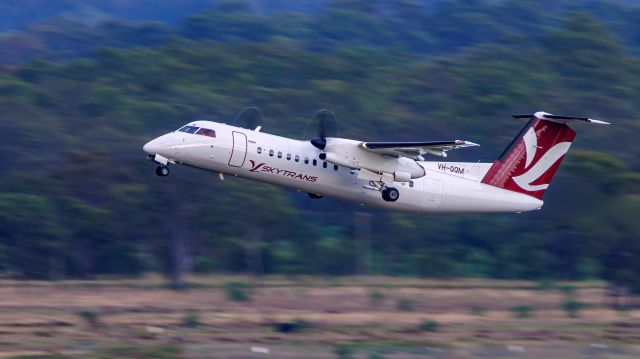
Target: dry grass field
[(311, 317)]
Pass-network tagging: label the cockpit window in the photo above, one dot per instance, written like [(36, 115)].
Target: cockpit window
[(198, 131), (189, 129), (206, 132)]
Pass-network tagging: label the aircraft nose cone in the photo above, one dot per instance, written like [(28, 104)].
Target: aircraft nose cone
[(146, 148), (151, 147), (162, 145)]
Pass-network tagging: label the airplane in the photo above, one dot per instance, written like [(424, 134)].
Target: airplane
[(389, 175)]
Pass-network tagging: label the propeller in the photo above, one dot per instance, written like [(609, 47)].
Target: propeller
[(249, 118), (322, 125)]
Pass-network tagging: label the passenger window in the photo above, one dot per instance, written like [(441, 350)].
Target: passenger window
[(288, 157), (411, 184), (279, 154), (315, 162), (297, 159), (271, 153), (324, 165), (335, 167), (306, 160), (259, 150)]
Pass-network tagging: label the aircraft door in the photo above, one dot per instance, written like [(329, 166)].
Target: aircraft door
[(239, 149)]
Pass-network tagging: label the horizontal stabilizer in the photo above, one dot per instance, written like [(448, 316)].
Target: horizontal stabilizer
[(560, 118)]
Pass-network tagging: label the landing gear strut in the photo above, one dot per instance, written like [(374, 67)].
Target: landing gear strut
[(390, 194), (162, 171)]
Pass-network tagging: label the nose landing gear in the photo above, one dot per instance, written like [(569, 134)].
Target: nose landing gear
[(162, 171)]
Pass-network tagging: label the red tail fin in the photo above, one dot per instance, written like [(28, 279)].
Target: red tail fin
[(532, 159)]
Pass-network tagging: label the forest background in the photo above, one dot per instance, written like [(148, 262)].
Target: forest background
[(83, 85)]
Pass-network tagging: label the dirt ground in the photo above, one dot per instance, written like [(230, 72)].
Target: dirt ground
[(363, 317)]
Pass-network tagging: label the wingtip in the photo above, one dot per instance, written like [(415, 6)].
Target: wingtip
[(599, 122), (466, 143)]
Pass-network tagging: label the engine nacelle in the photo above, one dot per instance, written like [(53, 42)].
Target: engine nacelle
[(399, 176), (347, 153)]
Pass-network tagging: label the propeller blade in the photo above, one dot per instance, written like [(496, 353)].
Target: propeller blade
[(322, 124), (249, 118)]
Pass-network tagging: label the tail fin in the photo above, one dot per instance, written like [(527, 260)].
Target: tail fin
[(533, 157)]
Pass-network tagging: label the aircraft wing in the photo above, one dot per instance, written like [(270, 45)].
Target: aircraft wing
[(415, 150)]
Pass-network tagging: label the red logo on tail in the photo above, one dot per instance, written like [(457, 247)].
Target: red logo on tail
[(529, 164)]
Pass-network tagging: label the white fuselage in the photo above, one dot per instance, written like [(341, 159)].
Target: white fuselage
[(445, 187)]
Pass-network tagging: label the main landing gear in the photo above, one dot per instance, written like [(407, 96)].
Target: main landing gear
[(390, 194), (162, 171)]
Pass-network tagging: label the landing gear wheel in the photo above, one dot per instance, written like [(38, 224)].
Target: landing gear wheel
[(385, 195), (315, 196), (390, 194), (162, 171)]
